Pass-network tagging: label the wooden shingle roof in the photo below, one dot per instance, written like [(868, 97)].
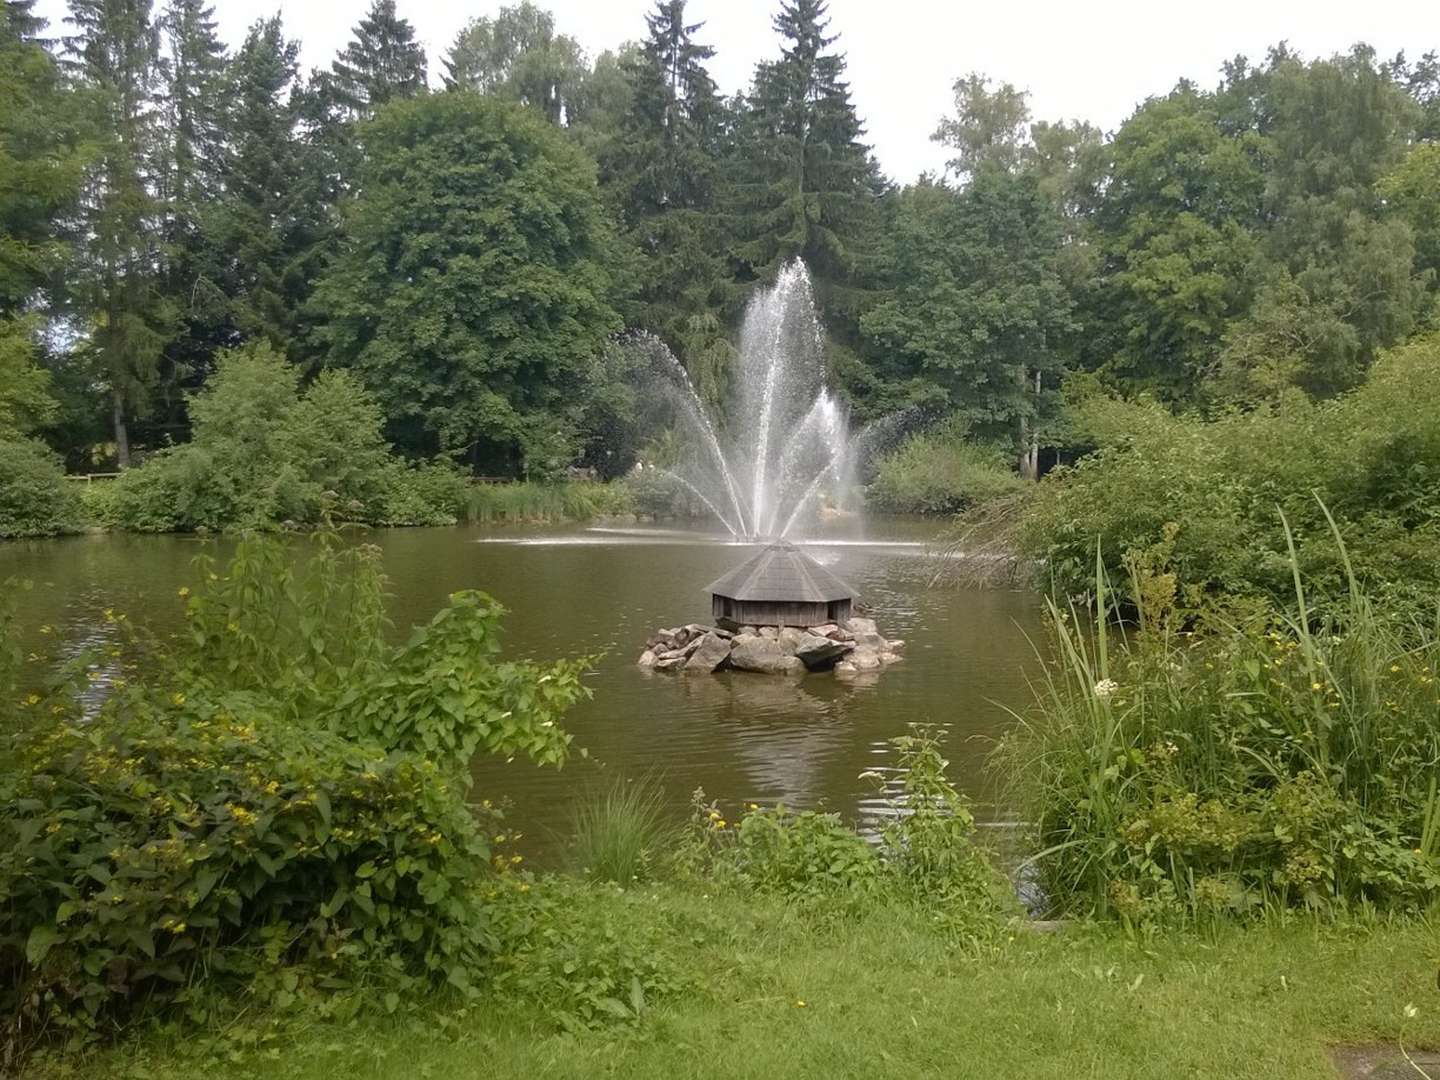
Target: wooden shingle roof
[(781, 572)]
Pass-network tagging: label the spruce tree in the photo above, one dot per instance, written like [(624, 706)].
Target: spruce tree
[(806, 184), (115, 57), (383, 62), (663, 173), (18, 21)]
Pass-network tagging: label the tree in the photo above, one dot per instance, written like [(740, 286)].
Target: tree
[(25, 401), (978, 305), (470, 293), (42, 158), (988, 126), (518, 56), (115, 56), (807, 184), (383, 62), (662, 173)]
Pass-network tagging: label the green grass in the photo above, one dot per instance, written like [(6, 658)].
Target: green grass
[(620, 830), (886, 994), (521, 502)]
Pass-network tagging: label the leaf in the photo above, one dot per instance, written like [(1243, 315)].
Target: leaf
[(637, 994), (392, 1001), (41, 938)]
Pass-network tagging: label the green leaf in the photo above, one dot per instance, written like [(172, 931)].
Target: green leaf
[(41, 938)]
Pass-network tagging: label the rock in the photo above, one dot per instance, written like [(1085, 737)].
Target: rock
[(842, 635), (825, 630), (888, 658), (859, 626), (896, 645), (647, 659), (769, 632), (846, 670), (751, 652), (868, 640), (790, 638), (711, 653), (865, 659), (669, 663), (682, 653), (818, 652), (746, 630)]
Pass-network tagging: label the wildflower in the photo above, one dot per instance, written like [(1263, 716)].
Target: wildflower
[(184, 591), (1410, 1012), (514, 859), (47, 629), (524, 886), (178, 698), (1105, 688), (754, 806), (799, 1004), (1394, 668), (1317, 686), (234, 628), (33, 699)]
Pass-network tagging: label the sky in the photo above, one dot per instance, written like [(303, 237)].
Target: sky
[(1092, 61)]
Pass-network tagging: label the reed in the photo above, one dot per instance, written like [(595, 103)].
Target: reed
[(621, 830), (524, 501)]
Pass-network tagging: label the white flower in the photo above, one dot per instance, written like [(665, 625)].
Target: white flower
[(1105, 687), (1410, 1012)]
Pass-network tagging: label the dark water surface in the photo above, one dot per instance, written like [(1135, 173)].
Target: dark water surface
[(577, 590)]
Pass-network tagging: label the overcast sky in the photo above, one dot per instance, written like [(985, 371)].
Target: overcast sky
[(1090, 61)]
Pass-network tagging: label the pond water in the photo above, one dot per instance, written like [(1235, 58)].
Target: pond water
[(580, 590)]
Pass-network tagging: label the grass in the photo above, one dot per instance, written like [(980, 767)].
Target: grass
[(887, 993), (576, 500), (621, 829)]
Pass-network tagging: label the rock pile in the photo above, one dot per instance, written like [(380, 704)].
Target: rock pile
[(772, 650)]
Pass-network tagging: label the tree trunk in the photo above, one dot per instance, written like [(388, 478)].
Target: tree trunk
[(1030, 437), (122, 432)]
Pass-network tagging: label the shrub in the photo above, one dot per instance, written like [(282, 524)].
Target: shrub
[(1249, 762), (275, 800), (1207, 497), (940, 472), (576, 500), (263, 452), (34, 497)]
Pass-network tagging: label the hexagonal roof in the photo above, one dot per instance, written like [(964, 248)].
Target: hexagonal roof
[(781, 572)]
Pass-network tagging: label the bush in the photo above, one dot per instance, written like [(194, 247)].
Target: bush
[(941, 472), (34, 497), (275, 800), (1247, 764), (1207, 498), (576, 500), (264, 453)]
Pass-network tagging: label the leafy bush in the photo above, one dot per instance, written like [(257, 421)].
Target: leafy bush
[(940, 472), (34, 497), (576, 500), (264, 453), (274, 800), (1249, 763), (1207, 498)]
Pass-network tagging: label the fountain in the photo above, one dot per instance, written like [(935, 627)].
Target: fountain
[(789, 436)]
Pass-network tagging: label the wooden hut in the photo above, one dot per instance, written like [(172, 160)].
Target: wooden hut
[(780, 586)]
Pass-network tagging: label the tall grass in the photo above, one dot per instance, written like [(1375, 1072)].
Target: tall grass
[(622, 830), (523, 501), (1203, 762)]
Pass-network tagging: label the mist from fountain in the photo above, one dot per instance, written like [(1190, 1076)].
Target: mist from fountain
[(787, 439)]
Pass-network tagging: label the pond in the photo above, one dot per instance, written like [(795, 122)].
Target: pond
[(577, 590)]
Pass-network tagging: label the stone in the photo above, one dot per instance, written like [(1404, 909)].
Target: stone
[(670, 663), (711, 653), (888, 658), (866, 639), (751, 652), (846, 670), (858, 626), (790, 638), (647, 659), (818, 652), (896, 644), (769, 632), (824, 630), (865, 659), (682, 653), (746, 630)]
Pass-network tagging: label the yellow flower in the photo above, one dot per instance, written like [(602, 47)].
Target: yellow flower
[(515, 859), (1316, 686), (754, 806), (33, 699), (234, 628), (799, 1004), (184, 591), (178, 698), (1394, 668)]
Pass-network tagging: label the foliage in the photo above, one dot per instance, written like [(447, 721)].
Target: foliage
[(940, 472), (621, 831), (1256, 761), (25, 401), (274, 801), (1205, 498), (382, 63), (577, 500), (34, 497), (471, 293), (518, 56), (264, 452)]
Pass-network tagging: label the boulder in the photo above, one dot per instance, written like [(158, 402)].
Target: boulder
[(858, 626), (670, 663), (769, 632), (790, 638), (896, 645), (846, 670), (818, 652), (682, 653), (868, 640), (746, 630), (751, 652), (865, 658), (824, 630), (647, 659), (711, 653)]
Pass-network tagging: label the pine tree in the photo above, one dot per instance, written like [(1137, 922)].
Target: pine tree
[(382, 62), (662, 171), (18, 21), (806, 185), (115, 56)]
